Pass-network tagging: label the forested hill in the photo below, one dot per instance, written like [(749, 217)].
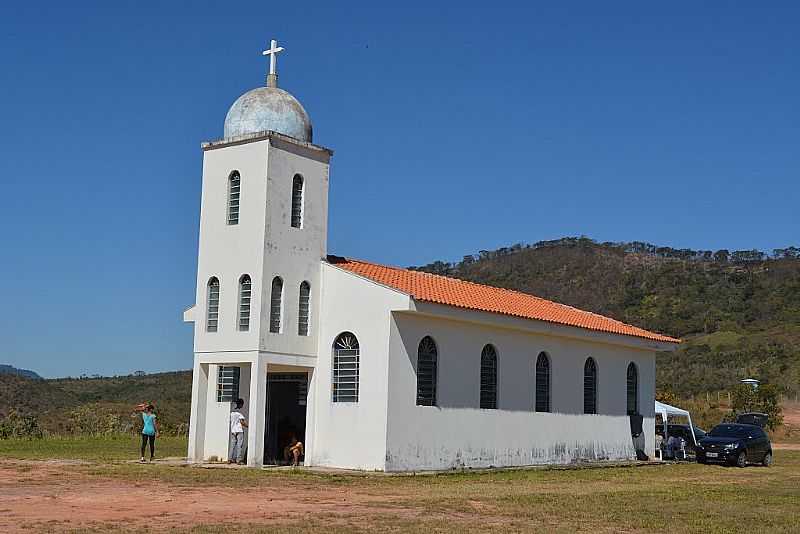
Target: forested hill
[(738, 311)]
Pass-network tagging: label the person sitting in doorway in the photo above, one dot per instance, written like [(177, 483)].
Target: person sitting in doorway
[(293, 450)]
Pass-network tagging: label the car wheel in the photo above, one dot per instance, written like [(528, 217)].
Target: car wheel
[(741, 460), (702, 461), (767, 461)]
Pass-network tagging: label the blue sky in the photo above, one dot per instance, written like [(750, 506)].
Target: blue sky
[(456, 127)]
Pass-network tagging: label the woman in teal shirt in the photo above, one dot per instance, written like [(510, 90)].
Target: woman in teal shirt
[(149, 429)]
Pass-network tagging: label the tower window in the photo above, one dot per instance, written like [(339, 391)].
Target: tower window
[(632, 390), (297, 201), (542, 383), (212, 305), (427, 356), (228, 383), (590, 386), (303, 310), (245, 291), (275, 305), (345, 368), (234, 189), (489, 377)]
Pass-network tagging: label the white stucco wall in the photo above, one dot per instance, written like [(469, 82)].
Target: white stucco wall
[(294, 254), (457, 433), (352, 435), (229, 251)]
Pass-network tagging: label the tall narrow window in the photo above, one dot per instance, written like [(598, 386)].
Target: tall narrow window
[(303, 309), (245, 291), (234, 189), (590, 386), (228, 383), (632, 392), (297, 201), (542, 383), (212, 305), (276, 303), (427, 356), (345, 368), (489, 377)]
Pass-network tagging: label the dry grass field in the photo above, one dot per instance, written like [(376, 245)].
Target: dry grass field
[(91, 486)]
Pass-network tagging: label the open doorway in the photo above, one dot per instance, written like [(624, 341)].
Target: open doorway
[(287, 395)]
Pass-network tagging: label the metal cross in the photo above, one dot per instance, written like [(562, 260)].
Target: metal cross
[(273, 54)]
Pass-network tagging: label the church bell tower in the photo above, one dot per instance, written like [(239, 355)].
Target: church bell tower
[(263, 227)]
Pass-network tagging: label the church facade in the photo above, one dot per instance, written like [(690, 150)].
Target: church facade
[(375, 367)]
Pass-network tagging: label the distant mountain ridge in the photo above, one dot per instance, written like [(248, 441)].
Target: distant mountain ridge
[(11, 370)]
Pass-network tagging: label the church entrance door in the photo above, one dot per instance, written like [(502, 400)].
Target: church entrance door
[(287, 395)]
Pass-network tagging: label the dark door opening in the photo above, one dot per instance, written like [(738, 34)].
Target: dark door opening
[(286, 413)]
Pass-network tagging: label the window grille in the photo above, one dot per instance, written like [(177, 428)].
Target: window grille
[(590, 386), (245, 292), (228, 383), (489, 377), (542, 383), (427, 356), (212, 305), (297, 201), (275, 305), (345, 368), (633, 389), (234, 190), (303, 309)]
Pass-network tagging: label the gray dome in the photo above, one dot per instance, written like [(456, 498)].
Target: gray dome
[(268, 108)]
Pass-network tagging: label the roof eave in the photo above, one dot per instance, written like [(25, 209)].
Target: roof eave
[(536, 326)]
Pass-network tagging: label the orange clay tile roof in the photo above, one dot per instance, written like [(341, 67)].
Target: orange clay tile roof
[(452, 292)]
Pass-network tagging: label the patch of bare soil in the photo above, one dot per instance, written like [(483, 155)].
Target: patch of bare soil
[(791, 414), (56, 497), (786, 446)]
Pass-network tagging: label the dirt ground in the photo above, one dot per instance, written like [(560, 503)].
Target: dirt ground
[(168, 496), (51, 495)]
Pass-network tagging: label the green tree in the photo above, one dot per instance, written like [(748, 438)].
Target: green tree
[(763, 399)]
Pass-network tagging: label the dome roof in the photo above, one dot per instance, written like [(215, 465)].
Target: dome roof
[(268, 108)]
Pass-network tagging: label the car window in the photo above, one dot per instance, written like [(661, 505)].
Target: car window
[(699, 432), (729, 431)]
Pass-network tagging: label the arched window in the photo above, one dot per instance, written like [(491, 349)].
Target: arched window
[(427, 356), (303, 309), (297, 201), (489, 377), (590, 386), (542, 383), (633, 389), (212, 305), (345, 368), (276, 303), (245, 291), (234, 188)]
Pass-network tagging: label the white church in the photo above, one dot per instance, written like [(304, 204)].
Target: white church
[(376, 367)]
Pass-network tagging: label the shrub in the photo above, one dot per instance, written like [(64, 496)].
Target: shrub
[(96, 420), (15, 425)]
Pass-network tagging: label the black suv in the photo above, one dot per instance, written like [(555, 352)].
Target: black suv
[(735, 444)]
